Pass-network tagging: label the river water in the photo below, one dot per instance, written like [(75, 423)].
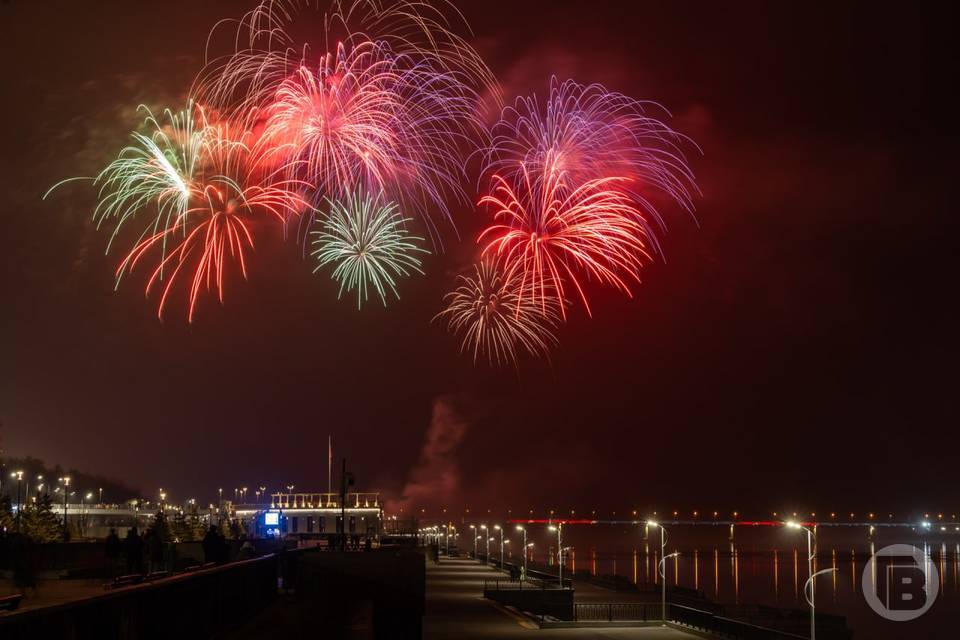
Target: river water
[(768, 566)]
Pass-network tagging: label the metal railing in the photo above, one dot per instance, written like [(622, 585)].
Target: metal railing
[(530, 584), (323, 501), (616, 612), (726, 627)]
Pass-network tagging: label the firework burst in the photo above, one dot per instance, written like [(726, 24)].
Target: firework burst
[(154, 174), (551, 234), (196, 183), (491, 316), (366, 239), (368, 119), (392, 104), (587, 133)]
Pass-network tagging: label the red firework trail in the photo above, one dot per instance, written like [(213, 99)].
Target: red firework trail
[(215, 228), (553, 234)]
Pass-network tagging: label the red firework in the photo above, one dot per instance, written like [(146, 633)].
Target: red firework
[(553, 233), (215, 227)]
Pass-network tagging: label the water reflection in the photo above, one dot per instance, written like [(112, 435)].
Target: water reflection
[(728, 580)]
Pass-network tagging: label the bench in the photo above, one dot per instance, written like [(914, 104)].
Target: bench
[(124, 581), (10, 603), (157, 575)]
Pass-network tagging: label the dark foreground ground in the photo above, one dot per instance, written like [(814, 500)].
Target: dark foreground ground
[(455, 610)]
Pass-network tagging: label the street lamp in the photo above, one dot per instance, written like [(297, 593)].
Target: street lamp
[(475, 536), (559, 529), (523, 576), (83, 512), (486, 559), (662, 568), (19, 476), (66, 485), (163, 496), (500, 529), (100, 497), (809, 589)]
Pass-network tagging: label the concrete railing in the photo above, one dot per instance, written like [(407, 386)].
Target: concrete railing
[(200, 603)]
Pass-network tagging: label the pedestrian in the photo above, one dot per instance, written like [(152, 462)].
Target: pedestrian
[(133, 550), (247, 551), (113, 548), (211, 544), (155, 549), (222, 549)]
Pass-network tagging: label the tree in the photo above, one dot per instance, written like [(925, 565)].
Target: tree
[(160, 527), (6, 515), (195, 524), (181, 528), (39, 523)]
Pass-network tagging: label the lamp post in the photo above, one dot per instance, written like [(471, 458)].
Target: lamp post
[(19, 475), (559, 529), (523, 576), (473, 528), (662, 568), (220, 506), (83, 511), (100, 496), (66, 485), (486, 559), (809, 589), (500, 529)]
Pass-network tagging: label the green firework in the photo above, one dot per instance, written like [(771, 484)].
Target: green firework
[(367, 241)]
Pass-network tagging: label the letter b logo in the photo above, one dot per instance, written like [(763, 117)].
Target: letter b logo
[(900, 582)]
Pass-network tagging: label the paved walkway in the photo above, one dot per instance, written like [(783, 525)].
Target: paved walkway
[(457, 610), (53, 591)]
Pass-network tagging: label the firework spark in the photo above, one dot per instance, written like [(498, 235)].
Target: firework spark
[(551, 233), (368, 119), (492, 317), (366, 239), (390, 105), (197, 180), (588, 132), (157, 169)]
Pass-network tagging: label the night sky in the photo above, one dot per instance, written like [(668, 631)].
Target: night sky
[(796, 348)]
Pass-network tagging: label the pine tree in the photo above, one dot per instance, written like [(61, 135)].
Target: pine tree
[(39, 523), (160, 526), (197, 530), (6, 515), (181, 529)]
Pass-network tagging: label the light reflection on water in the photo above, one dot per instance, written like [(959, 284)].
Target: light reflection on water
[(770, 568)]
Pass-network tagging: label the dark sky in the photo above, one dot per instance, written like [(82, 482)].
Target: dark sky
[(796, 349)]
